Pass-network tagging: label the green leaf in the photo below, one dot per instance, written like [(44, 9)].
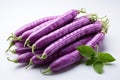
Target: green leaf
[(105, 57), (89, 62), (86, 51), (98, 67)]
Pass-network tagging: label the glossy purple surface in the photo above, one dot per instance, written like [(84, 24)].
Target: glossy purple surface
[(48, 39), (89, 29)]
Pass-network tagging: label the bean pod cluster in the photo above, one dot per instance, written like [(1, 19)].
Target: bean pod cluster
[(53, 40)]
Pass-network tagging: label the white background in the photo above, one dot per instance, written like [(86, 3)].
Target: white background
[(15, 13)]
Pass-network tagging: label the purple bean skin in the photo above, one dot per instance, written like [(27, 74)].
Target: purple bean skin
[(63, 51), (70, 58), (25, 58), (73, 46), (97, 38), (48, 39), (91, 28), (32, 25), (25, 35), (74, 56), (64, 61), (57, 23), (19, 44), (21, 50), (37, 61)]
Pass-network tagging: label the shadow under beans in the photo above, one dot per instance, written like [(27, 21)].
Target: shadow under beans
[(109, 64), (40, 66), (21, 66), (102, 46)]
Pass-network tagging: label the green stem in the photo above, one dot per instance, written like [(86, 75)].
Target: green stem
[(47, 71), (13, 51), (18, 38), (30, 63), (38, 57), (105, 23), (11, 44), (12, 36), (102, 17), (26, 42), (33, 48), (44, 56), (28, 45), (15, 61), (82, 10), (93, 17)]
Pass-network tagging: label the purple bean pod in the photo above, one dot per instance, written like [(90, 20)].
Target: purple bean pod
[(21, 50), (25, 58)]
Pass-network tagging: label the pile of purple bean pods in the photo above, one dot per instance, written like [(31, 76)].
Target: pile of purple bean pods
[(53, 40)]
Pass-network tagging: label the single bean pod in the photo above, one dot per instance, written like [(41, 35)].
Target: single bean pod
[(48, 39), (16, 43), (21, 50), (63, 62), (24, 58), (89, 29), (75, 56), (56, 24)]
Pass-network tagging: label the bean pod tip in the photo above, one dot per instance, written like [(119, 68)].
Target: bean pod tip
[(15, 61), (26, 42), (82, 10), (33, 48), (47, 71), (30, 63)]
